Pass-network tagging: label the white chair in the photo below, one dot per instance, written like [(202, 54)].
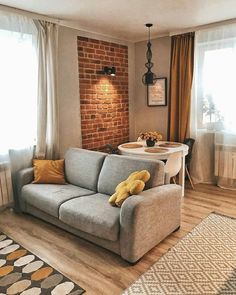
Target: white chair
[(173, 165)]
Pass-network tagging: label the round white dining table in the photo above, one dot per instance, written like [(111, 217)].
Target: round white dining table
[(181, 150)]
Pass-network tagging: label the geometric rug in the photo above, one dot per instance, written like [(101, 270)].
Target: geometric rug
[(203, 262), (22, 272)]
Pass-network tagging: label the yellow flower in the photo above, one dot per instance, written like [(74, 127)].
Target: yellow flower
[(152, 135)]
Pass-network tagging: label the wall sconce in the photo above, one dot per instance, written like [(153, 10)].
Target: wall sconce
[(108, 71)]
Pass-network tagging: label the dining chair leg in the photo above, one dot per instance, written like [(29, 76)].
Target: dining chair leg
[(174, 180), (189, 177)]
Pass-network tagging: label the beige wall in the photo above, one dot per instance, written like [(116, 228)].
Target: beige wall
[(68, 90), (151, 118), (68, 86)]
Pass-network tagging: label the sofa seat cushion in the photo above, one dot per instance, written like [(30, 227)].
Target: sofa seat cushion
[(93, 215), (49, 197)]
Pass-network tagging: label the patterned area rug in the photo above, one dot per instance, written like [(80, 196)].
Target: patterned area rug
[(203, 262), (22, 272)]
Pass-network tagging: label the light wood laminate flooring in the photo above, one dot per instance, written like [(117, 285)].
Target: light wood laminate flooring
[(95, 269)]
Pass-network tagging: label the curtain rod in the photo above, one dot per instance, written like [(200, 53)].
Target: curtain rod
[(29, 14), (203, 27)]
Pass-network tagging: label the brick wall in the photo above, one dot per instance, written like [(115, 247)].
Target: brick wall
[(103, 99)]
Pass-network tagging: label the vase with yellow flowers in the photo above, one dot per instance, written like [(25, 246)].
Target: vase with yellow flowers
[(151, 137)]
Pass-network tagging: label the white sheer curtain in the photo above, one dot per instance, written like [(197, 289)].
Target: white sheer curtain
[(28, 85), (28, 96), (47, 113), (18, 82), (213, 117)]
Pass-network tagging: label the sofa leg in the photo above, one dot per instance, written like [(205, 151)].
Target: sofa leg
[(176, 229), (133, 263)]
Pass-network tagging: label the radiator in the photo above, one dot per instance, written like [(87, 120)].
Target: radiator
[(6, 196), (225, 161)]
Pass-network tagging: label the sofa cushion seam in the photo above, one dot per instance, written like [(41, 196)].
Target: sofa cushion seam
[(71, 199)]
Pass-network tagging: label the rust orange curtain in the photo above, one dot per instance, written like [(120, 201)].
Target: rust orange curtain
[(181, 75)]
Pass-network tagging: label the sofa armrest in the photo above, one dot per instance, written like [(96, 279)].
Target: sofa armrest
[(146, 219), (23, 177)]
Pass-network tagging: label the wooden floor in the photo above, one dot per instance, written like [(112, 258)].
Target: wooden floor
[(97, 270)]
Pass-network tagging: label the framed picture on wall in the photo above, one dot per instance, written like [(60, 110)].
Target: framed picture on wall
[(157, 93)]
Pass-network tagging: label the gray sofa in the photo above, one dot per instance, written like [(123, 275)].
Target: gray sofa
[(81, 206)]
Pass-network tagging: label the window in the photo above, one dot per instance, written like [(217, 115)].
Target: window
[(213, 118), (18, 89), (215, 84)]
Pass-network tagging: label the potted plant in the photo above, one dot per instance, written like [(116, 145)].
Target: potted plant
[(214, 118), (151, 137)]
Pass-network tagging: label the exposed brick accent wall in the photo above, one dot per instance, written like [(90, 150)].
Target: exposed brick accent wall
[(103, 99)]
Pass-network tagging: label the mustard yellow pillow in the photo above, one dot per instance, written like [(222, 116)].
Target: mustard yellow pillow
[(49, 171)]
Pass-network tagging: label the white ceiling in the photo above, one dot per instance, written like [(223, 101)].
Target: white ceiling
[(125, 19)]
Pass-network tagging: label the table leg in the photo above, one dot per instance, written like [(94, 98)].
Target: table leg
[(182, 174)]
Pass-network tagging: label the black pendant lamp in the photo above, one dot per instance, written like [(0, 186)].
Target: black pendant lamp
[(149, 78)]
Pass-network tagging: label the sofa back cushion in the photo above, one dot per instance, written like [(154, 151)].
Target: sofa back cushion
[(117, 168), (82, 167)]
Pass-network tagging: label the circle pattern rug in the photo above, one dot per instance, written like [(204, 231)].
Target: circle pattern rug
[(202, 263), (22, 272)]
